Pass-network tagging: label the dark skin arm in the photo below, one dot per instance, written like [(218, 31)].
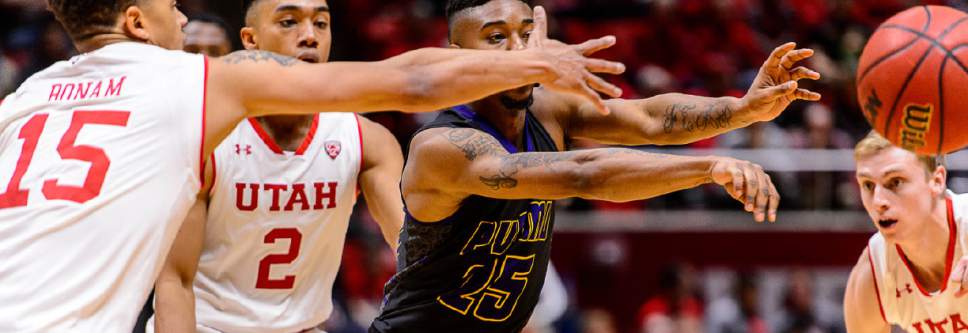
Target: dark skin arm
[(446, 165), (673, 119)]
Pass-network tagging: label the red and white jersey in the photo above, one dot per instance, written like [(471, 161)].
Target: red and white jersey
[(99, 164), (276, 227), (904, 302)]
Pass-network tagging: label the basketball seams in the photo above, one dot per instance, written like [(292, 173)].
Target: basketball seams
[(897, 97), (888, 56), (941, 104), (929, 39), (927, 25)]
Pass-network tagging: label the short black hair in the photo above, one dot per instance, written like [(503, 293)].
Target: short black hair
[(84, 19), (211, 19), (456, 6)]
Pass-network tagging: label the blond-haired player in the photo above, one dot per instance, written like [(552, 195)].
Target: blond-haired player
[(912, 273)]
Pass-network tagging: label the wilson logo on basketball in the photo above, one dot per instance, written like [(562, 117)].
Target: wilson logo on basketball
[(914, 125), (333, 148)]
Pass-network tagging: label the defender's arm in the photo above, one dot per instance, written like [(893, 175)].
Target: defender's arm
[(681, 119), (448, 164)]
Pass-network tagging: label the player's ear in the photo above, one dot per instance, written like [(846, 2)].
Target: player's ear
[(248, 38), (939, 180), (134, 23)]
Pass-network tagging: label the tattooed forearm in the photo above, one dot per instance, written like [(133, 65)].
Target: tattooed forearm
[(505, 177), (258, 56), (692, 118), (472, 142)]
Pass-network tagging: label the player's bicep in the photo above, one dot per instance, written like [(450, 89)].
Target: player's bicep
[(627, 124), (862, 308), (463, 162)]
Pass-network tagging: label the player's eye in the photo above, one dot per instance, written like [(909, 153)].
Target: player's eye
[(894, 183), (321, 24), (496, 38), (869, 186), (287, 23), (527, 36)]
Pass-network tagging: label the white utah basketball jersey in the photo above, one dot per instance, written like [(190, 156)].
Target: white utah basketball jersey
[(903, 301), (276, 226), (99, 164)]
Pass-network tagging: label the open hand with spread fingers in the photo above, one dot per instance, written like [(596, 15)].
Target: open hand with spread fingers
[(777, 84), (574, 69), (748, 183), (959, 277)]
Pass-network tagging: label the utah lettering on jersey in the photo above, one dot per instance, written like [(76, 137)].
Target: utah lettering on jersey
[(952, 324), (491, 290), (323, 196)]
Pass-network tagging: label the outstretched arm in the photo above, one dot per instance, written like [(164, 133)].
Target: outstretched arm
[(862, 309), (256, 83), (682, 119), (447, 165), (380, 179)]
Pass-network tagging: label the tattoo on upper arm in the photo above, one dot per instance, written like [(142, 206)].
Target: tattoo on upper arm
[(473, 143), (258, 56), (687, 118)]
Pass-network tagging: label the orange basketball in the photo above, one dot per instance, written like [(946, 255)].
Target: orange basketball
[(912, 80)]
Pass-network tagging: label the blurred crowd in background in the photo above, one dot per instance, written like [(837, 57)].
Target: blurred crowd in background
[(702, 47)]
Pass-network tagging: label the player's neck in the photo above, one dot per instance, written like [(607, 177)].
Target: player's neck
[(101, 40), (509, 122), (927, 249), (287, 131)]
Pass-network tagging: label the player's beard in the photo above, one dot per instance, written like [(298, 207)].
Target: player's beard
[(517, 104)]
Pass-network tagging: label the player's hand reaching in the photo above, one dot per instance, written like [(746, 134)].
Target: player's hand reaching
[(777, 84), (959, 277), (574, 69), (749, 184)]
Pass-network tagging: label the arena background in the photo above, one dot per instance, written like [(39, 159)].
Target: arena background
[(690, 261)]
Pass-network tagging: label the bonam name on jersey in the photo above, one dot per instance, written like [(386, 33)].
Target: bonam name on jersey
[(74, 91)]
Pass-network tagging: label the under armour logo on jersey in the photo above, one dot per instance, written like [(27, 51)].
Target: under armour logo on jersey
[(333, 148), (239, 150), (907, 288)]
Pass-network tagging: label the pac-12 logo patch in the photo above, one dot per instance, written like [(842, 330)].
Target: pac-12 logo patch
[(333, 148)]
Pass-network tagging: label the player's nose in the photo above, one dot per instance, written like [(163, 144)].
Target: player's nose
[(880, 201), (518, 43), (307, 36)]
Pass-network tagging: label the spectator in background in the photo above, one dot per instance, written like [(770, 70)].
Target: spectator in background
[(552, 304), (824, 190), (802, 312), (54, 45), (207, 34), (676, 309), (740, 313), (598, 321)]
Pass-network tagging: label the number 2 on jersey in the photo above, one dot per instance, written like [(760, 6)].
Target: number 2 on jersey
[(295, 239), (14, 196)]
